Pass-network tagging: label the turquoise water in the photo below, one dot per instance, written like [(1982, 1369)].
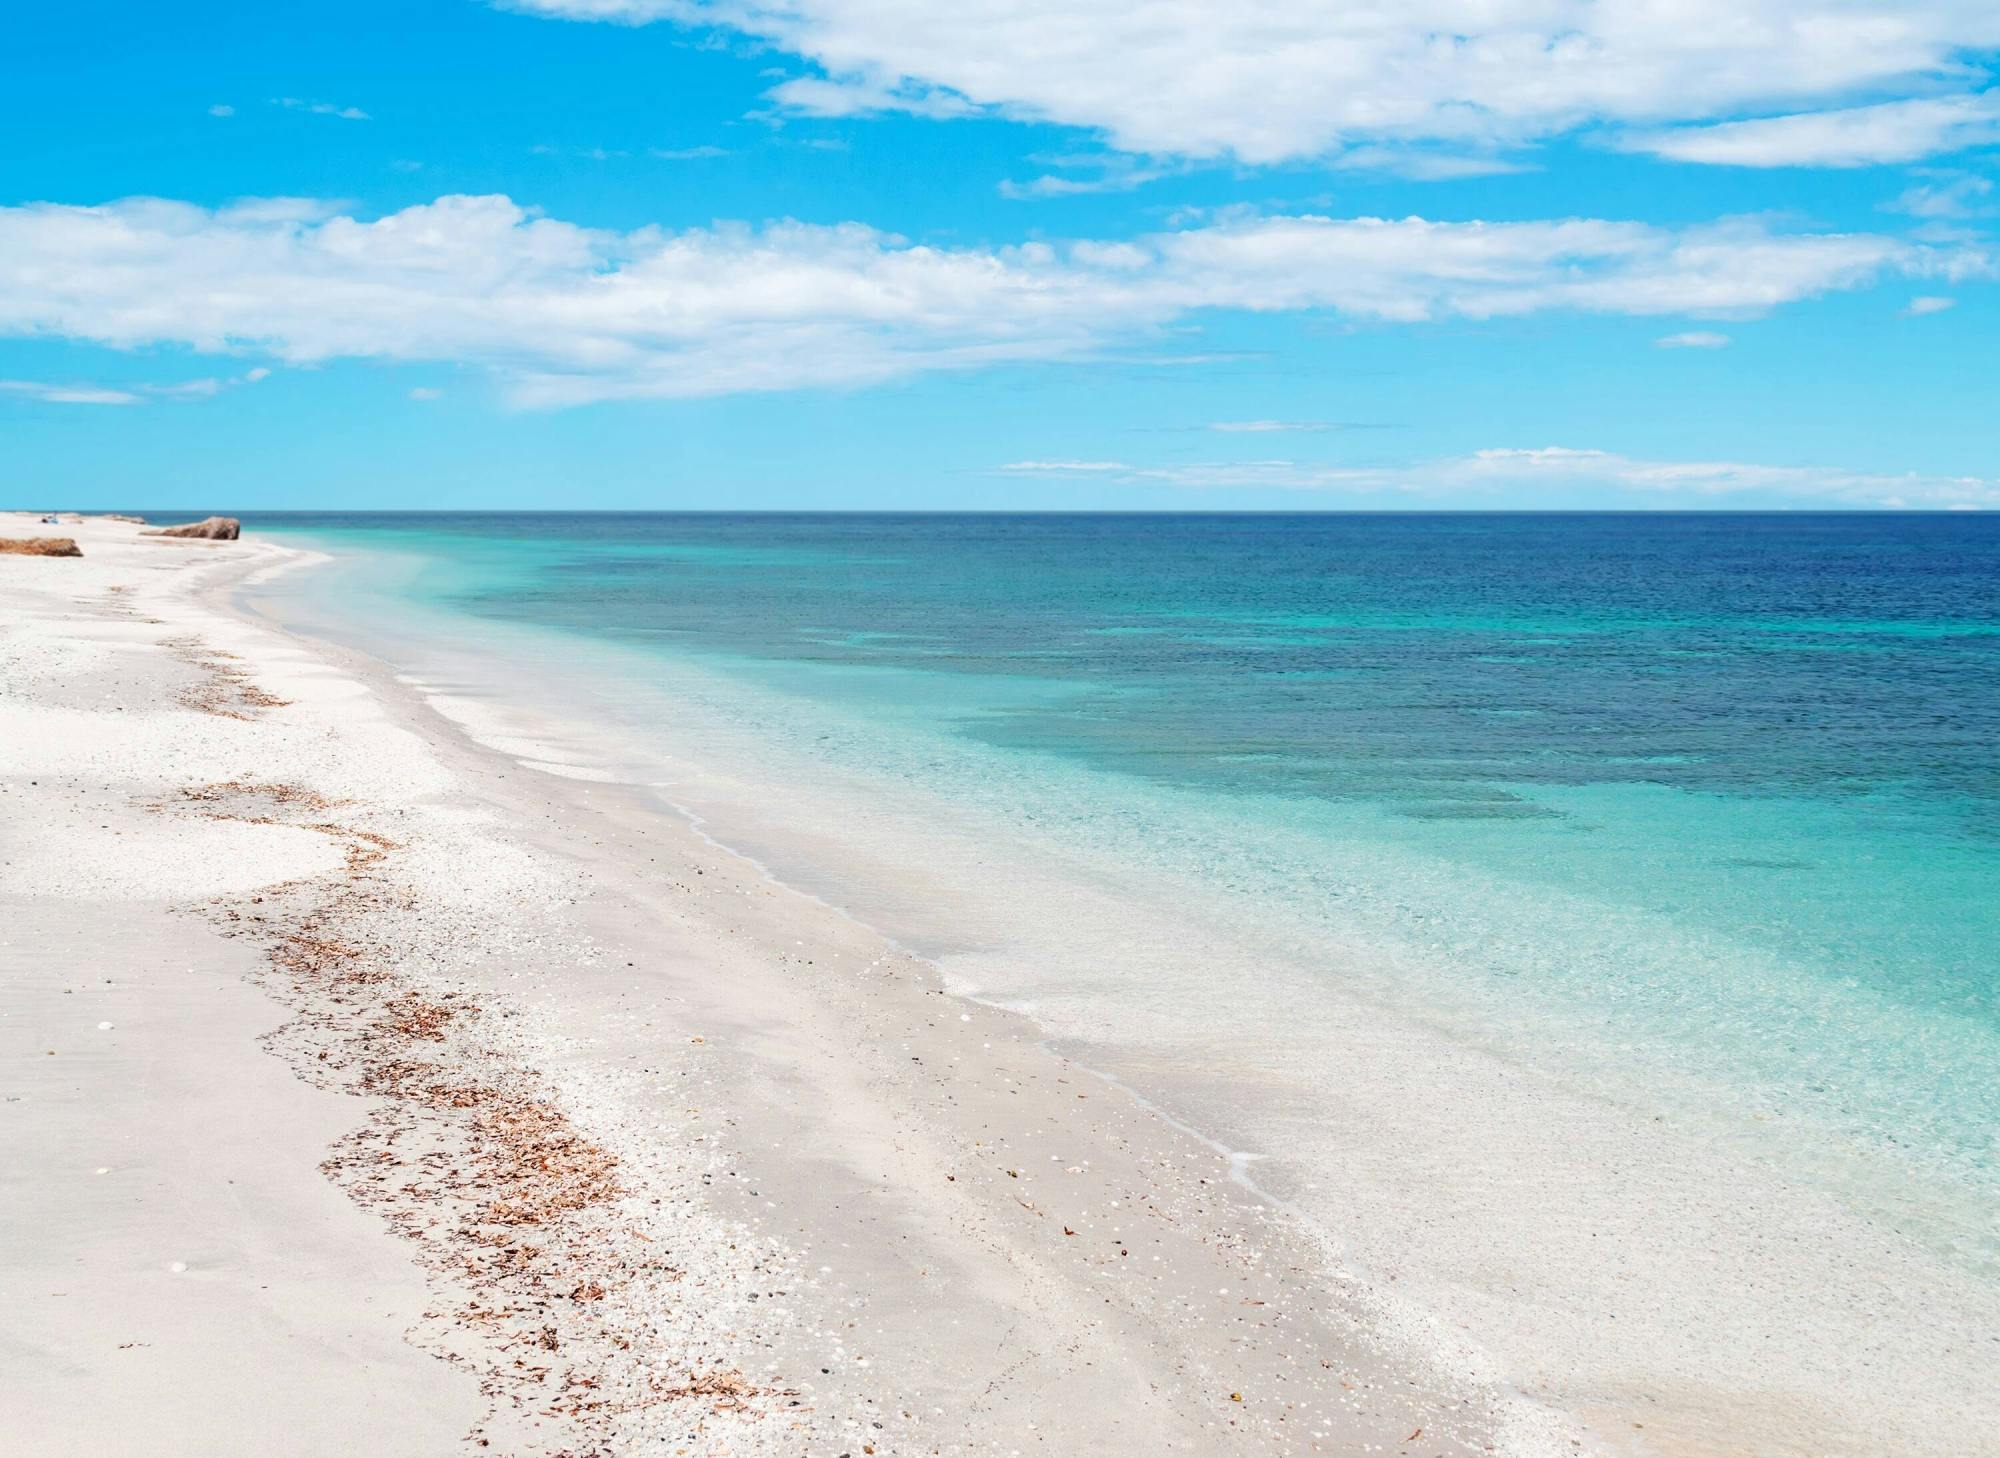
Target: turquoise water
[(1699, 808)]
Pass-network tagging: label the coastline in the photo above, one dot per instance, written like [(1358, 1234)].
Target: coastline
[(850, 1156), (785, 1192), (1684, 1275)]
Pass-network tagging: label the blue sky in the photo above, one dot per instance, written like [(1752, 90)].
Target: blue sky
[(881, 253)]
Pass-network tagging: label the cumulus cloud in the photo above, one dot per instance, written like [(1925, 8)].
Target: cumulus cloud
[(1693, 339), (568, 314), (1523, 476), (1857, 136), (1269, 80)]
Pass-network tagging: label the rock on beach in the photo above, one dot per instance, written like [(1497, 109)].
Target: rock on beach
[(40, 546), (212, 529)]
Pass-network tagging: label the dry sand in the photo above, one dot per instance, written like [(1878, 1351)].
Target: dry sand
[(369, 1092)]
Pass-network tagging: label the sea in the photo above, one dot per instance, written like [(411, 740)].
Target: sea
[(1689, 819)]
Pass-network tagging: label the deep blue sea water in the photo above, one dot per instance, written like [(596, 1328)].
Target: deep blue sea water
[(1715, 799)]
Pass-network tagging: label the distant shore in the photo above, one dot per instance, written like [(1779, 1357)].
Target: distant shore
[(381, 1095)]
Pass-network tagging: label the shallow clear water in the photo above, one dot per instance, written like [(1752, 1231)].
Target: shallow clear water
[(1696, 809)]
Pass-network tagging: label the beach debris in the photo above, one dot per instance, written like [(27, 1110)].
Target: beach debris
[(225, 689), (729, 1389), (40, 547), (208, 529), (412, 1017), (472, 1157), (277, 793)]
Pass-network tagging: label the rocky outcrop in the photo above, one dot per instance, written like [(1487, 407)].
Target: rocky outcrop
[(213, 529), (39, 547), (114, 516)]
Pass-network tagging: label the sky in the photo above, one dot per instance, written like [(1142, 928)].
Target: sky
[(1001, 254)]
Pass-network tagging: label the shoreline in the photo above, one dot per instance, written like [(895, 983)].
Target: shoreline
[(1674, 1279), (893, 1213)]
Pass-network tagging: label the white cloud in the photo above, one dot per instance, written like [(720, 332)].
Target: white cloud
[(1694, 339), (1948, 195), (1858, 136), (1266, 427), (1084, 173), (1524, 477), (51, 394), (321, 108), (208, 387), (567, 314), (1268, 80), (204, 388), (1423, 166), (426, 392), (221, 110), (688, 154), (588, 154), (1929, 304)]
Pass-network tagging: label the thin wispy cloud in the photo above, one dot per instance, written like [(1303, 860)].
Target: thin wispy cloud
[(687, 154), (1513, 476), (49, 393), (586, 154), (1928, 304), (1859, 136), (1426, 166), (321, 108), (1085, 173), (73, 393), (1265, 81), (1269, 427), (567, 314), (208, 387), (1945, 195), (221, 109), (1693, 339)]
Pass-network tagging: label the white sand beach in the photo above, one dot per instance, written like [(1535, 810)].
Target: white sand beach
[(370, 1092)]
